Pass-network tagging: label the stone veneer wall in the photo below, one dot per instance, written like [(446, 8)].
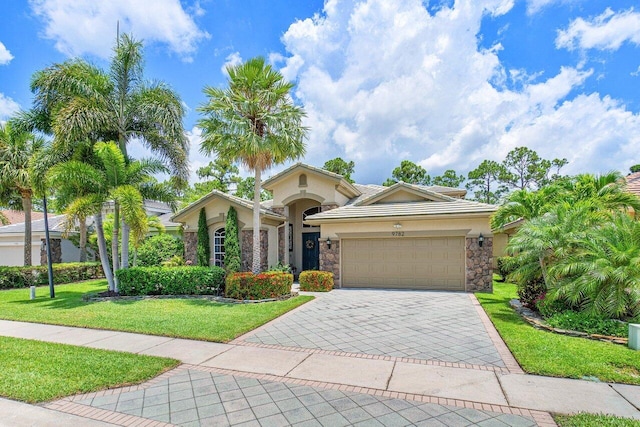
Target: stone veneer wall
[(247, 249), (191, 247), (56, 252), (479, 265), (330, 259)]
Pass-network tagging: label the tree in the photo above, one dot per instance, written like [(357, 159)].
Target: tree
[(524, 204), (525, 169), (253, 121), (341, 167), (449, 179), (607, 191), (203, 250), (246, 187), (232, 254), (17, 148), (484, 182), (635, 168), (223, 173), (79, 101), (410, 173)]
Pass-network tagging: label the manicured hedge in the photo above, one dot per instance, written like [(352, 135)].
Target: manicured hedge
[(316, 281), (258, 286), (37, 275), (136, 281)]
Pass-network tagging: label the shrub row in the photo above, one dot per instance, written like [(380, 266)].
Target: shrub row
[(258, 286), (23, 277), (136, 281), (316, 281)]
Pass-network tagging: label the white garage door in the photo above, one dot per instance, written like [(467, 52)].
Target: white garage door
[(409, 263)]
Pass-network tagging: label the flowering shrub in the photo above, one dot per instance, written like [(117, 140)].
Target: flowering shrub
[(316, 281), (258, 286)]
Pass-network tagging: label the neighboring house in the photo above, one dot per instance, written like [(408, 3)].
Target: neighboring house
[(63, 249), (15, 217), (403, 236), (633, 183)]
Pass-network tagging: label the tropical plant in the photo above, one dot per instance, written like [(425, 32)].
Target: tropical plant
[(17, 148), (232, 255), (634, 168), (602, 276), (77, 101), (524, 204), (253, 121), (156, 249), (203, 250), (341, 167), (410, 173)]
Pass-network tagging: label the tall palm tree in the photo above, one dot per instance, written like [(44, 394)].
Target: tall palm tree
[(253, 121), (85, 102), (523, 204), (17, 148)]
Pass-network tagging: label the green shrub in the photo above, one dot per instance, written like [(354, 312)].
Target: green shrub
[(258, 286), (583, 322), (157, 249), (548, 307), (505, 266), (170, 281), (316, 281), (531, 292), (280, 267), (203, 250), (174, 261), (232, 258), (37, 275)]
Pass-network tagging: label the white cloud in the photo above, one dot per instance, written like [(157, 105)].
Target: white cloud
[(386, 81), (5, 55), (7, 107), (607, 31), (86, 26), (231, 60)]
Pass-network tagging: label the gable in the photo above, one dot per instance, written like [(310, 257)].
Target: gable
[(404, 193)]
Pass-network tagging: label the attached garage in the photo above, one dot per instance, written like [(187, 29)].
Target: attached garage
[(436, 263)]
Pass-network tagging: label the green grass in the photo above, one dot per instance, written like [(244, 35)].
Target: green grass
[(35, 371), (545, 353), (185, 318), (590, 420)]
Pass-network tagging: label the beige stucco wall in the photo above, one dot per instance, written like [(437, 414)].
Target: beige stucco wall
[(500, 241), (320, 188)]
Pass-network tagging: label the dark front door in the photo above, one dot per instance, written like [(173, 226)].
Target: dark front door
[(310, 251)]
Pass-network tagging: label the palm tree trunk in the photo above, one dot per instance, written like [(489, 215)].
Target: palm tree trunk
[(102, 251), (83, 239), (26, 206), (255, 265), (125, 246), (114, 241)]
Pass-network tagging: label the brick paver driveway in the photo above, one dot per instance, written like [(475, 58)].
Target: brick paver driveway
[(429, 325)]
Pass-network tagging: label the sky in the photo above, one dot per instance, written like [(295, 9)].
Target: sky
[(445, 84)]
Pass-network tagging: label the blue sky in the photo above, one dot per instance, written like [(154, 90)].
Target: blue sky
[(445, 84)]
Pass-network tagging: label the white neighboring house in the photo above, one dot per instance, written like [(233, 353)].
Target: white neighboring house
[(12, 237)]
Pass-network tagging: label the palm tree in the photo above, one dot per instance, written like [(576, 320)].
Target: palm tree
[(17, 148), (105, 181), (523, 204), (85, 102), (603, 275), (609, 190), (253, 121)]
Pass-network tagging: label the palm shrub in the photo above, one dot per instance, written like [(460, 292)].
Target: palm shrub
[(232, 260), (602, 277), (203, 250)]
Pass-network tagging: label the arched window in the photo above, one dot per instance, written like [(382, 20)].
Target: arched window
[(302, 180), (218, 247), (311, 211)]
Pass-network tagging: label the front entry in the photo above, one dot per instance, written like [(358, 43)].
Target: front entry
[(310, 251)]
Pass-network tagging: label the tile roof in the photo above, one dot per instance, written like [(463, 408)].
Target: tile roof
[(633, 183), (18, 216), (56, 223), (456, 206)]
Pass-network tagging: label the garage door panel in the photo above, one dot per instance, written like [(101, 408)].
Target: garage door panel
[(412, 263)]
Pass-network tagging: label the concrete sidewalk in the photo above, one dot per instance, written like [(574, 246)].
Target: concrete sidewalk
[(250, 374)]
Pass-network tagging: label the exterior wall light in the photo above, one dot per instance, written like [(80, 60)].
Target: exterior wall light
[(397, 226), (480, 240), (329, 242)]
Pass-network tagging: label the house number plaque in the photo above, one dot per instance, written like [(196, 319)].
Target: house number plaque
[(397, 233)]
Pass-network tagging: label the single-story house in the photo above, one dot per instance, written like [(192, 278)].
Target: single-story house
[(63, 248), (403, 236)]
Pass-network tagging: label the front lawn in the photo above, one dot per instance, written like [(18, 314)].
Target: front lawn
[(35, 371), (545, 353), (591, 420), (185, 318)]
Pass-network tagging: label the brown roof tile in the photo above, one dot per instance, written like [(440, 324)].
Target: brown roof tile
[(633, 183)]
